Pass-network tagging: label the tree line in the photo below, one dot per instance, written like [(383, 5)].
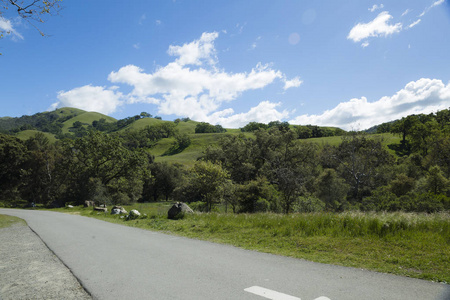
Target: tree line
[(273, 170)]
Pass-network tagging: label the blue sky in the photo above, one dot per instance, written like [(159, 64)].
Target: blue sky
[(351, 64)]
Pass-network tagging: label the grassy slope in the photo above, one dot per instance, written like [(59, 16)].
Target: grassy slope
[(26, 134), (201, 141), (386, 139), (408, 244), (86, 118)]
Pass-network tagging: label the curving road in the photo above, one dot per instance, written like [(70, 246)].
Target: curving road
[(119, 262)]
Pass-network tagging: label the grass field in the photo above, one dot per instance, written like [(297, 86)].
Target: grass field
[(408, 244), (86, 118), (6, 221), (26, 134)]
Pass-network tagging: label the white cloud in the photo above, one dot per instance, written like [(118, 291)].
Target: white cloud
[(264, 112), (365, 44), (158, 22), (406, 12), (137, 46), (421, 96), (7, 27), (436, 3), (90, 98), (375, 7), (379, 27), (414, 23), (294, 82), (197, 51), (255, 43), (188, 87)]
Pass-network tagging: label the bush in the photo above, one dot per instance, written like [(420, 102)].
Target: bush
[(309, 204), (429, 203), (198, 206)]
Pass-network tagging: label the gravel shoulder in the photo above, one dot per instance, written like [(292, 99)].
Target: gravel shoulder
[(29, 270)]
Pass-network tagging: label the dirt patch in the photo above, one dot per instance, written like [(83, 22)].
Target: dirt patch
[(29, 270)]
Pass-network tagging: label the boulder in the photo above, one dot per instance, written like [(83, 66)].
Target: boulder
[(178, 210), (117, 210), (69, 206), (134, 214), (103, 209), (89, 203)]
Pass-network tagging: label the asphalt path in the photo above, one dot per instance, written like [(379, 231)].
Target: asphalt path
[(118, 262)]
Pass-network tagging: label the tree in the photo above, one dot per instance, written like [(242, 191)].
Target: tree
[(331, 189), (287, 163), (434, 182), (32, 11), (163, 180), (13, 158), (42, 183), (404, 126), (182, 141), (252, 126), (359, 159), (103, 157), (145, 115), (77, 124), (256, 195), (402, 185), (236, 154), (208, 179)]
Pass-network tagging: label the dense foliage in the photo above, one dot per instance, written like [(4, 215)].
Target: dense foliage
[(204, 127), (273, 169)]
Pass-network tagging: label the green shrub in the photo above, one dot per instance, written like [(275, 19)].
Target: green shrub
[(429, 203), (309, 204)]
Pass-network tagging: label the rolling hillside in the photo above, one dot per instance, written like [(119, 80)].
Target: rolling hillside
[(27, 126), (86, 118)]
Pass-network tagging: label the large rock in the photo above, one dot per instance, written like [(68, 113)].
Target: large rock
[(178, 210), (134, 214), (89, 203), (117, 210)]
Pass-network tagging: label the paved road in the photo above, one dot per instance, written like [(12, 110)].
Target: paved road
[(119, 262)]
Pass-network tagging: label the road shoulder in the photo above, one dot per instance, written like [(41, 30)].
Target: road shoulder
[(29, 270)]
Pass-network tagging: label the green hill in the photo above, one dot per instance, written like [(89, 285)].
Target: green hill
[(86, 118), (64, 118)]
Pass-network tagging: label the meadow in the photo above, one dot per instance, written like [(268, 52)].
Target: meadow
[(408, 244)]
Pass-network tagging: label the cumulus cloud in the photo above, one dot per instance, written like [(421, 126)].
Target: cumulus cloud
[(264, 112), (90, 98), (295, 82), (191, 85), (197, 51), (375, 7), (7, 27), (421, 96), (379, 27)]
